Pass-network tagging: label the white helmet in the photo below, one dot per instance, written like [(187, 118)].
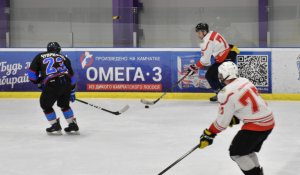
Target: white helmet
[(227, 70)]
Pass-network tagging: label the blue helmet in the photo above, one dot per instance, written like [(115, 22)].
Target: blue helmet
[(53, 47)]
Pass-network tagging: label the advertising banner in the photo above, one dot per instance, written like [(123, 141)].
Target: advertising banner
[(124, 71), (100, 70), (257, 67), (194, 83), (13, 71)]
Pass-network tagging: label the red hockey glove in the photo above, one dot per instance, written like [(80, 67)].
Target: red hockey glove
[(192, 69)]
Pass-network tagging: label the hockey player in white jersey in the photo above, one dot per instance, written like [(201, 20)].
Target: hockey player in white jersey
[(214, 51), (240, 100)]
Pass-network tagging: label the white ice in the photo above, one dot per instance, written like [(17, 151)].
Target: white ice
[(138, 142)]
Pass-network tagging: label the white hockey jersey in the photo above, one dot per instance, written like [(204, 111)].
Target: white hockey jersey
[(213, 44), (240, 98)]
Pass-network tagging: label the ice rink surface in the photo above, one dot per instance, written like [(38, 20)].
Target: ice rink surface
[(139, 142)]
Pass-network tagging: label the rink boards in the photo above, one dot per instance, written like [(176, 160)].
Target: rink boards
[(146, 72), (150, 95)]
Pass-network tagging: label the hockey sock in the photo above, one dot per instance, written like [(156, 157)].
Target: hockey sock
[(254, 158), (244, 162), (51, 116), (68, 114)]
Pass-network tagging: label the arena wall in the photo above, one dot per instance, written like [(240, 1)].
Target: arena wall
[(146, 72)]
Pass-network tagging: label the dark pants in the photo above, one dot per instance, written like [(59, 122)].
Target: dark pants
[(246, 142), (212, 72), (56, 90), (212, 77)]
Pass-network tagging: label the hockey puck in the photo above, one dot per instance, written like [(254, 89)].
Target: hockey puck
[(146, 106)]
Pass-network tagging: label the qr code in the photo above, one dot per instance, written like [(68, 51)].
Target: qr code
[(255, 68)]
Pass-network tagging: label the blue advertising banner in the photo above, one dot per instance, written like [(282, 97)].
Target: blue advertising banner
[(13, 71), (193, 83), (255, 66), (123, 71), (133, 71)]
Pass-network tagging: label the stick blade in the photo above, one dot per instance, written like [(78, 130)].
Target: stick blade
[(147, 102), (125, 108)]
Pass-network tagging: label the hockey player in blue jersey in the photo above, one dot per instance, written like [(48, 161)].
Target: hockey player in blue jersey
[(53, 73)]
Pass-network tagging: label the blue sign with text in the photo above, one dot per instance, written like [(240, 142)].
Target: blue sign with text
[(133, 71)]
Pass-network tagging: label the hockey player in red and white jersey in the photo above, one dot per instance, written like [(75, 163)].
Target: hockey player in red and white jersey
[(213, 45), (240, 100)]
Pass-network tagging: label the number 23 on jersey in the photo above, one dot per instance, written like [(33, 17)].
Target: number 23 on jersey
[(50, 65)]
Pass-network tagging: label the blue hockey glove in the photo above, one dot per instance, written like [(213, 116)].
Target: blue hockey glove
[(72, 95)]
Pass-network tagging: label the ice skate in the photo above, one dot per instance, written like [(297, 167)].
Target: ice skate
[(72, 128), (214, 98), (55, 129), (261, 171)]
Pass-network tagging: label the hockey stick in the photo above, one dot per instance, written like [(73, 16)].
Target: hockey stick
[(147, 102), (178, 160), (125, 108)]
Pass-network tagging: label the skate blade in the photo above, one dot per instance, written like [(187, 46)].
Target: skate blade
[(55, 133), (73, 133)]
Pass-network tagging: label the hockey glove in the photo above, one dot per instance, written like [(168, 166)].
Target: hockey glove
[(192, 69), (72, 95), (234, 121), (206, 138)]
